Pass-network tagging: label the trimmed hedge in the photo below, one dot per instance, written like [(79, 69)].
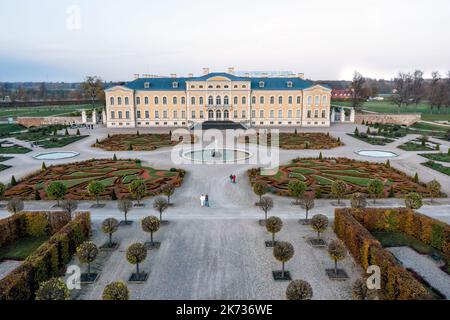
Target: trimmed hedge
[(26, 223), (396, 282), (47, 261)]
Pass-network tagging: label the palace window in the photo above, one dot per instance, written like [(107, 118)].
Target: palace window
[(323, 114), (316, 113), (226, 114), (316, 100), (244, 86), (146, 85), (235, 100), (244, 114), (218, 114), (165, 114), (164, 100), (174, 85), (280, 100), (280, 113), (309, 100), (290, 100), (309, 114), (253, 113), (156, 114), (138, 100), (226, 86), (183, 100), (193, 114), (120, 114), (272, 100), (261, 113), (210, 87), (200, 101), (112, 115), (127, 114), (200, 86), (298, 113), (183, 114), (210, 100), (272, 114), (111, 101), (138, 114), (226, 100), (210, 114), (193, 101), (119, 101), (244, 100), (127, 101), (289, 84), (218, 87), (235, 114), (261, 84), (175, 114), (174, 100), (218, 100), (147, 114), (299, 100), (289, 114), (324, 100), (261, 100), (146, 100), (156, 100), (192, 87), (253, 100), (201, 114)]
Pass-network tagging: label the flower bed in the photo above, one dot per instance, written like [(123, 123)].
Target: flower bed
[(320, 174), (113, 174), (298, 141), (137, 142)]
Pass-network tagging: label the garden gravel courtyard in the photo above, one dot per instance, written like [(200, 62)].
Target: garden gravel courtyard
[(218, 259)]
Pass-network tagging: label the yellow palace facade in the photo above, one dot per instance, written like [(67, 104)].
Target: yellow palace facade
[(186, 101)]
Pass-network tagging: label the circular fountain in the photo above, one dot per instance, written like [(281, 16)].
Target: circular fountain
[(217, 155), (377, 153), (56, 155)]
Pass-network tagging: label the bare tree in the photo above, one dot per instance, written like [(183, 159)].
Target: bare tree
[(266, 204), (417, 92), (402, 89), (358, 90), (437, 94), (93, 88)]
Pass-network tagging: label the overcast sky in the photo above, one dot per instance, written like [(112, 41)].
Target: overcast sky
[(65, 40)]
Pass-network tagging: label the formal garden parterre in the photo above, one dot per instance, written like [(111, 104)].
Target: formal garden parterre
[(319, 175), (139, 141), (115, 176), (297, 141)]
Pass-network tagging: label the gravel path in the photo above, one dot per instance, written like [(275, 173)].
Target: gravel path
[(424, 266)]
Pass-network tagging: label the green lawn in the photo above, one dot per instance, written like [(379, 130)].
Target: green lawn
[(60, 142), (377, 141), (6, 128), (16, 149), (2, 158), (437, 166), (21, 248), (43, 111), (443, 157), (429, 126), (413, 146)]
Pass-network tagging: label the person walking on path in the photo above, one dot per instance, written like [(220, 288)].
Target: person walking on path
[(231, 178), (202, 200), (206, 201), (234, 178)]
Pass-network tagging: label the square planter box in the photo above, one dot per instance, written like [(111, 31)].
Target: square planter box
[(88, 278), (138, 277), (108, 247), (164, 222), (317, 243), (141, 205), (270, 244), (279, 276), (98, 206), (153, 246), (123, 223), (341, 275)]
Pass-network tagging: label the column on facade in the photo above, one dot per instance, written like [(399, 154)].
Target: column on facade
[(342, 115), (94, 116), (352, 115), (333, 115), (83, 116), (104, 116)]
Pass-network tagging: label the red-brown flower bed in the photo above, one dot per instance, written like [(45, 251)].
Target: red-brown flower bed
[(113, 174), (139, 142), (298, 141), (320, 174)]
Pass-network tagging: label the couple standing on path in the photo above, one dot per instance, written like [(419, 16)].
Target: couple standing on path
[(232, 178), (204, 200)]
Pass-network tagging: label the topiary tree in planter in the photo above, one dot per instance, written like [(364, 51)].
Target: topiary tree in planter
[(375, 188), (338, 189), (56, 190), (95, 188), (319, 223), (273, 225), (110, 226), (15, 205), (337, 252), (266, 204), (434, 188), (168, 190), (125, 205), (136, 253), (116, 291), (307, 203), (358, 200), (53, 289), (150, 225), (86, 253), (283, 252), (2, 190), (413, 200), (260, 189), (299, 290), (138, 189), (69, 206), (160, 204), (296, 189)]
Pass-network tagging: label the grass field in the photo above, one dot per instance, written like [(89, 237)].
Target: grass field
[(43, 111), (114, 175), (320, 174), (21, 248), (388, 107)]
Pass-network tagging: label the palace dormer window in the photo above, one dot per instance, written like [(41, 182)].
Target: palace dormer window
[(210, 87), (146, 85), (235, 86), (244, 86), (218, 87), (289, 84), (261, 84), (226, 86), (175, 85)]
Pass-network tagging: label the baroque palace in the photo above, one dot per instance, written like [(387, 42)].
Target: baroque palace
[(151, 101)]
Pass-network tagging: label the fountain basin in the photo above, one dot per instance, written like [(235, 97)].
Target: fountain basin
[(377, 153), (217, 155), (56, 155)]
